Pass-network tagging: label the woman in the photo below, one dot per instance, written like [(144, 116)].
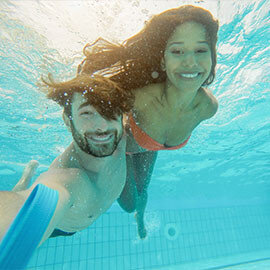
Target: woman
[(166, 66)]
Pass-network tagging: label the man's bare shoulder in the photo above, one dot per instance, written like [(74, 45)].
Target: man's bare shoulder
[(63, 176)]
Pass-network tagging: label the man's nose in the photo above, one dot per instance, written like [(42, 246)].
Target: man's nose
[(101, 125)]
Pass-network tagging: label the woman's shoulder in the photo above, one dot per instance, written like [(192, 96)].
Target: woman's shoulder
[(145, 95), (209, 103)]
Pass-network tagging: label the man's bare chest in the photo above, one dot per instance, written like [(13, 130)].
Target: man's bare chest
[(92, 201)]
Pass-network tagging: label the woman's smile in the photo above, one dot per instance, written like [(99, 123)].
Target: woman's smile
[(189, 75)]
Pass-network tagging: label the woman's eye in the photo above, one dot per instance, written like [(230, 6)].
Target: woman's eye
[(202, 51), (176, 51)]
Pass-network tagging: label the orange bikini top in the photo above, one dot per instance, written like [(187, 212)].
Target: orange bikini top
[(146, 142)]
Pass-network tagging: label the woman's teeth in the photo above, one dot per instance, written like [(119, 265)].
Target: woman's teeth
[(189, 75)]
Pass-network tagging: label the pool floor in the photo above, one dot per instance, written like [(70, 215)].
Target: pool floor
[(235, 238), (249, 261)]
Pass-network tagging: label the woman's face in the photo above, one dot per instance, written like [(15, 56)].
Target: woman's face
[(187, 57)]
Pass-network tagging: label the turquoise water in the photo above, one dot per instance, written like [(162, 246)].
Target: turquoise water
[(209, 203)]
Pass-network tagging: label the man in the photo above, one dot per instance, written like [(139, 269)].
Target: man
[(90, 174), (28, 173)]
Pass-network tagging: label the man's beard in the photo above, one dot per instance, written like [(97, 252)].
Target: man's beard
[(97, 150)]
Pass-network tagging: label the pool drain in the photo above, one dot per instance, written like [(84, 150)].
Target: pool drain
[(171, 231)]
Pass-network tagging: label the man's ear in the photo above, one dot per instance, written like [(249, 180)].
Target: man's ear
[(66, 120)]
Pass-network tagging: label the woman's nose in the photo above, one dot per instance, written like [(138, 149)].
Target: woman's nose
[(189, 60)]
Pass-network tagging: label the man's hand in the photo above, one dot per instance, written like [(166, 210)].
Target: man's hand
[(28, 173)]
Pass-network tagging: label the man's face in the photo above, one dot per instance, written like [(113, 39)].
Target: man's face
[(94, 134)]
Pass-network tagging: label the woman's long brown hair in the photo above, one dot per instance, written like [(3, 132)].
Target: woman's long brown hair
[(137, 61)]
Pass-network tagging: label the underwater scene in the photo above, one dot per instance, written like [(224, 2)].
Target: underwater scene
[(208, 204)]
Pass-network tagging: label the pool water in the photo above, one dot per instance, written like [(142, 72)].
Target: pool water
[(209, 202)]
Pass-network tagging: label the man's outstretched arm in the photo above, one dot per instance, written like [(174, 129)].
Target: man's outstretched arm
[(28, 173), (11, 202)]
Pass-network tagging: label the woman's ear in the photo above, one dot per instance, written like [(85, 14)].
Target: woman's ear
[(162, 64), (66, 120)]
